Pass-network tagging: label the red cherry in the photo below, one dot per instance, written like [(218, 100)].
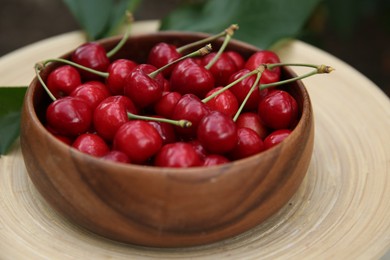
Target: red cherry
[(190, 78), (91, 55), (215, 159), (69, 116), (165, 130), (117, 156), (264, 57), (226, 102), (110, 114), (138, 140), (237, 58), (63, 80), (117, 74), (222, 69), (252, 120), (92, 92), (278, 110), (178, 155), (198, 148), (165, 106), (162, 54), (217, 132), (242, 88), (249, 143), (276, 137), (91, 144)]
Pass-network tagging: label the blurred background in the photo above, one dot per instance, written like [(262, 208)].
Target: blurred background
[(355, 31)]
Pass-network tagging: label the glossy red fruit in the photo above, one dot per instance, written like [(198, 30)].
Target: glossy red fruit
[(242, 88), (198, 148), (63, 80), (215, 159), (162, 54), (237, 58), (91, 144), (276, 137), (167, 103), (252, 120), (249, 143), (92, 92), (190, 78), (222, 69), (217, 133), (265, 57), (91, 55), (117, 74), (165, 130), (138, 140), (179, 155), (110, 114), (117, 156), (69, 116), (226, 102), (278, 110)]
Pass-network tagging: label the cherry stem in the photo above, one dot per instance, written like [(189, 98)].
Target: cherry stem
[(182, 123), (96, 72), (208, 39), (320, 68), (129, 21), (228, 37), (201, 52), (278, 83), (253, 87), (38, 67)]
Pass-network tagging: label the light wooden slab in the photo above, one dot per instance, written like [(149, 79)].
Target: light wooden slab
[(341, 211)]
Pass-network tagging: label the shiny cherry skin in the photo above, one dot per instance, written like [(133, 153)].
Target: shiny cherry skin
[(117, 156), (167, 103), (178, 155), (242, 88), (217, 132), (118, 71), (110, 114), (265, 57), (237, 58), (92, 92), (91, 144), (252, 120), (222, 69), (138, 140), (226, 102), (69, 116), (278, 110), (249, 143), (166, 131), (190, 78), (198, 148), (162, 54), (276, 137), (91, 55), (63, 80), (215, 159)]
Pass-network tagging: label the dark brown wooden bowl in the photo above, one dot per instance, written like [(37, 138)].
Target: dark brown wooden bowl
[(164, 207)]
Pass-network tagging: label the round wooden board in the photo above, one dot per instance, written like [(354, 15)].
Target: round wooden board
[(341, 211)]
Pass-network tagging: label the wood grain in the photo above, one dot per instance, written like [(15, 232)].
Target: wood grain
[(342, 210)]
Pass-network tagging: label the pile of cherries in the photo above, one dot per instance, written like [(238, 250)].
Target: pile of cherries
[(131, 112)]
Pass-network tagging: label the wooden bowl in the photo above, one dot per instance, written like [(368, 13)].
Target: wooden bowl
[(164, 207)]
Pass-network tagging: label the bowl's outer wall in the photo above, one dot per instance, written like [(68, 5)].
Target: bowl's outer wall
[(159, 206)]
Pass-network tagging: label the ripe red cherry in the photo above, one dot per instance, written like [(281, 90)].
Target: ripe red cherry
[(117, 74), (265, 57), (91, 55), (117, 156), (138, 140), (226, 102), (69, 116), (165, 130), (198, 148), (165, 106), (217, 132), (222, 69), (162, 54), (242, 88), (252, 120), (110, 114), (249, 143), (91, 144), (92, 92), (178, 155), (276, 137), (215, 159), (237, 58), (190, 78), (63, 80), (278, 110)]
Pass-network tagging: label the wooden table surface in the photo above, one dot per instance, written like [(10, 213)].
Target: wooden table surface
[(341, 211)]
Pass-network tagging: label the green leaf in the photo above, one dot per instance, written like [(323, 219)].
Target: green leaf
[(11, 100), (100, 18), (262, 22)]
